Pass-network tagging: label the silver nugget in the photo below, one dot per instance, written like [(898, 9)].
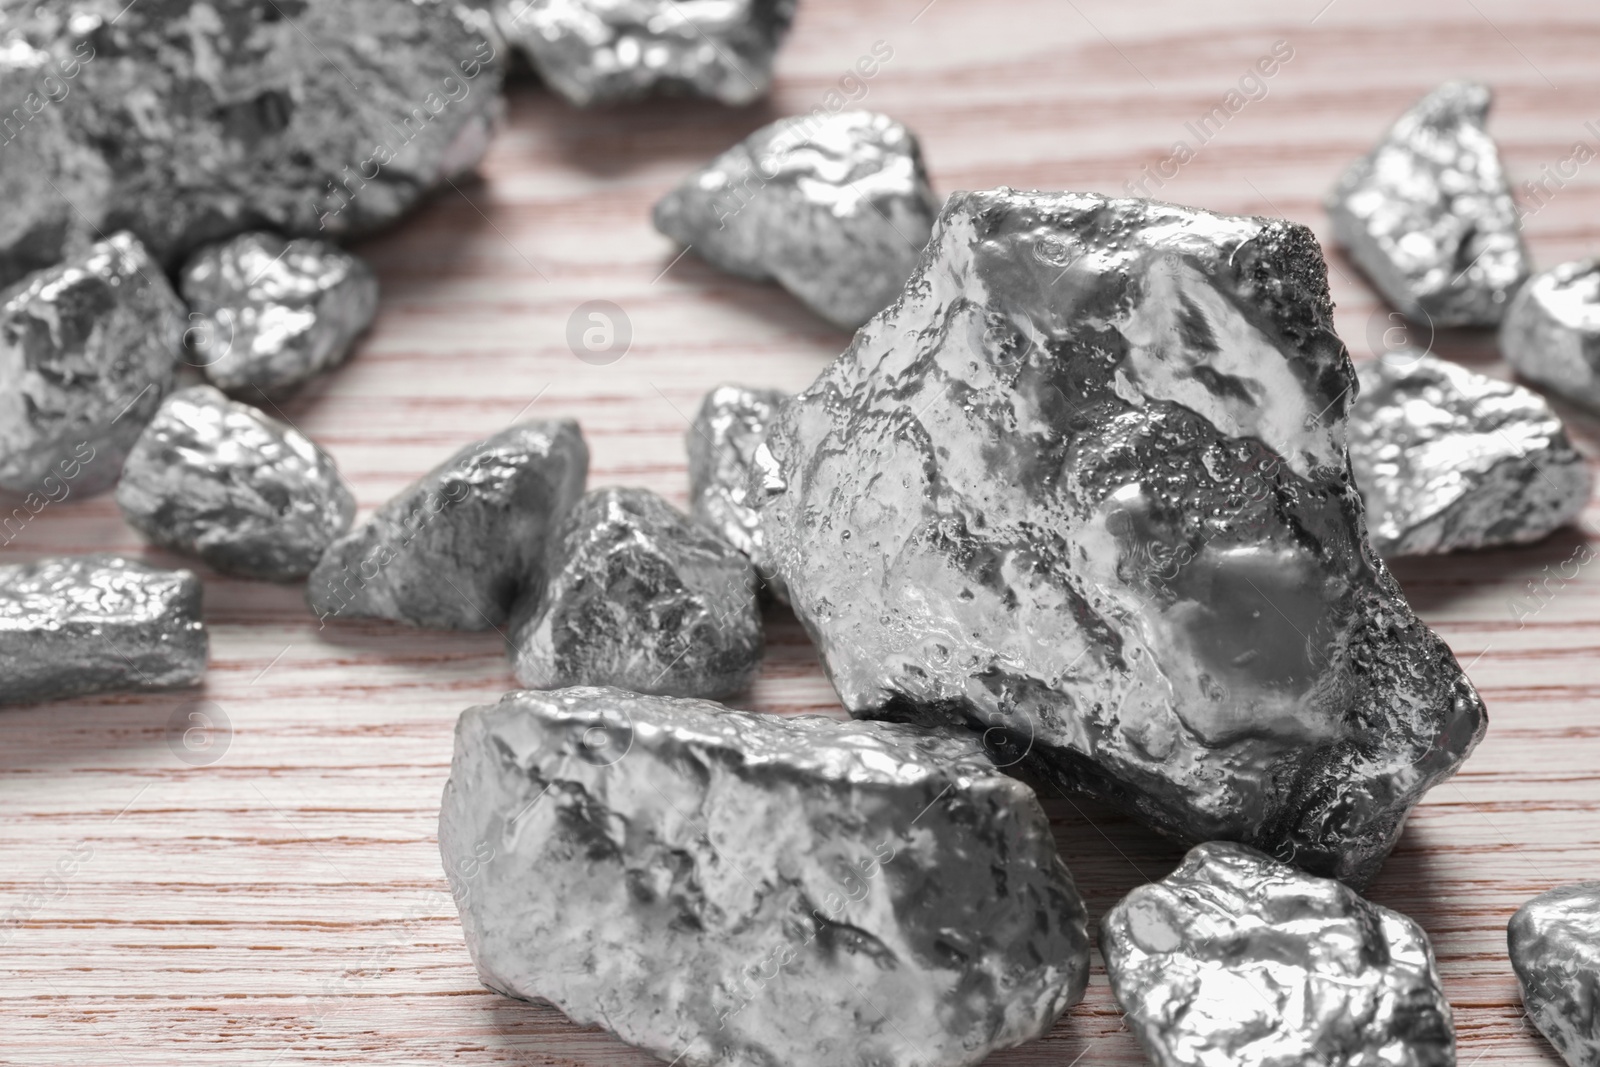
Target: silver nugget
[(247, 494), (1448, 459), (835, 208), (725, 889), (1235, 958), (1554, 941), (1552, 332), (76, 625), (1085, 485), (87, 351), (1428, 215), (607, 51), (269, 314), (730, 425), (459, 547)]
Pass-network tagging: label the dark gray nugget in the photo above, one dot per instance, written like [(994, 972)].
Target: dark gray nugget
[(642, 599), (722, 442), (269, 314), (246, 493), (1235, 958), (834, 208), (1085, 486), (458, 548), (87, 351), (1552, 332), (1554, 941), (76, 625), (729, 889)]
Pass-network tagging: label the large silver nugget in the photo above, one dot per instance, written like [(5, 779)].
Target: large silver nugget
[(835, 208), (247, 494), (460, 546), (1235, 958), (192, 120), (1086, 484), (729, 889), (606, 51), (641, 598), (730, 425), (1446, 458), (87, 351), (1552, 332), (1428, 215), (269, 314), (76, 625), (1554, 942)]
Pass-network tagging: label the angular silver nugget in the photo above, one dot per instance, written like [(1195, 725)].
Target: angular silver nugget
[(76, 625), (1428, 215), (461, 545), (607, 51), (1552, 331), (269, 314), (834, 208), (641, 598), (1085, 485), (1447, 459), (87, 351), (730, 425), (247, 494), (192, 120), (728, 889), (1235, 958), (1554, 941)]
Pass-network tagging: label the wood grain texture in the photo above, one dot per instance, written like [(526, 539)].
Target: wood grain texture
[(285, 905)]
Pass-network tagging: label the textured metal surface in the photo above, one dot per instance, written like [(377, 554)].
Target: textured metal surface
[(729, 427), (458, 547), (1238, 959), (1446, 458), (1086, 484), (1554, 941), (606, 51), (835, 208), (641, 598), (272, 313), (247, 494), (75, 625), (726, 888), (86, 354), (188, 121), (1552, 331), (1428, 214)]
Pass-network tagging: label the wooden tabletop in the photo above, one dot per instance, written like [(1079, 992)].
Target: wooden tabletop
[(284, 903)]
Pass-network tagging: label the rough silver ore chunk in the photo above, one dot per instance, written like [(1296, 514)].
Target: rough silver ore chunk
[(1554, 941), (1238, 959), (835, 208), (459, 547), (1446, 458), (188, 121), (270, 313), (76, 625), (1552, 331), (1085, 485), (728, 889), (731, 424), (606, 51), (87, 351), (641, 598), (1428, 215), (247, 494)]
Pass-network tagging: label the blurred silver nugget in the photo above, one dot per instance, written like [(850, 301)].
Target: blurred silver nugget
[(836, 209), (641, 598), (1554, 942), (76, 625), (1428, 215), (269, 314), (247, 494), (729, 427), (727, 889), (1446, 458), (1552, 332), (1235, 958)]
